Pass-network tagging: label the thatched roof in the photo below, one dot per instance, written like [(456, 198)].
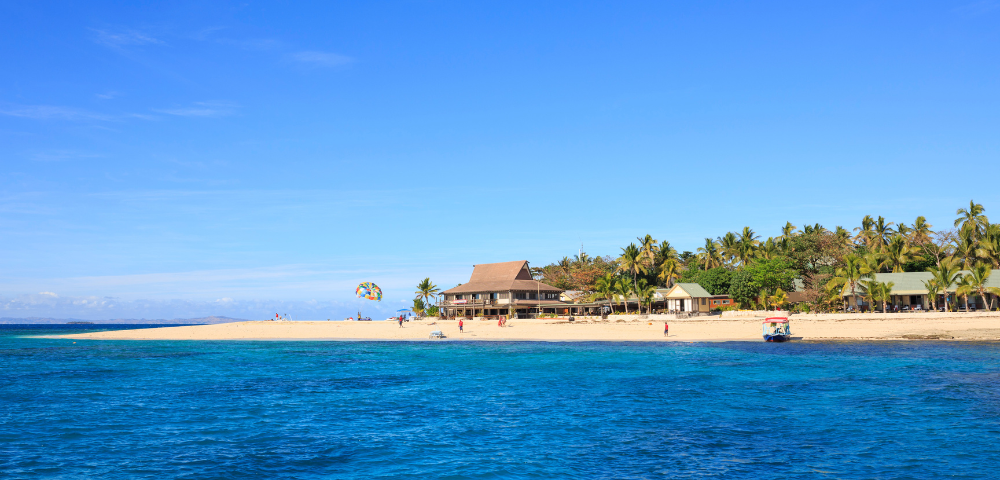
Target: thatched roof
[(501, 277)]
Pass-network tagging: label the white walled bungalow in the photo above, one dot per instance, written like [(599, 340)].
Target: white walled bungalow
[(691, 297)]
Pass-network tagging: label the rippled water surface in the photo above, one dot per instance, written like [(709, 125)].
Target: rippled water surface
[(496, 410)]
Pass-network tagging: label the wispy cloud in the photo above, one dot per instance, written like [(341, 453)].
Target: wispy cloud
[(124, 38), (107, 95), (50, 112), (50, 305), (62, 155), (54, 112), (201, 109), (978, 8), (321, 59)]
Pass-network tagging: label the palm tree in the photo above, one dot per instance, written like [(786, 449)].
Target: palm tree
[(709, 255), (605, 288), (932, 292), (843, 237), (865, 232), (897, 253), (849, 276), (779, 299), (964, 288), (631, 262), (788, 230), (729, 246), (977, 278), (648, 248), (990, 244), (645, 292), (874, 262), (921, 231), (879, 292), (882, 231), (945, 275), (669, 270), (768, 249), (426, 290), (747, 246), (810, 229), (419, 306), (972, 219), (623, 289), (967, 248), (665, 252)]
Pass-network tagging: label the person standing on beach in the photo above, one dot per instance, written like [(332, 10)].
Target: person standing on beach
[(666, 329), (460, 325), (400, 321)]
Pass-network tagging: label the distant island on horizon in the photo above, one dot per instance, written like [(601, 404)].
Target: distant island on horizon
[(120, 321)]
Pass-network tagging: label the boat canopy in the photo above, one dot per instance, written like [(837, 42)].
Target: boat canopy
[(776, 320)]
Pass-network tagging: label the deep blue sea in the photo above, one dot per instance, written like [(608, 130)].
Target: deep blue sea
[(204, 410)]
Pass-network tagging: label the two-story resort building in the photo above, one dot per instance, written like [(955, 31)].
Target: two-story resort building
[(500, 289)]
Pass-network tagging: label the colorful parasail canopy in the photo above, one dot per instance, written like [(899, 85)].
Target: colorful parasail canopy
[(370, 291)]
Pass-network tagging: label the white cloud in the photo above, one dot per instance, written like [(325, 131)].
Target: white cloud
[(201, 109), (120, 39), (49, 112), (61, 155), (321, 59), (51, 294)]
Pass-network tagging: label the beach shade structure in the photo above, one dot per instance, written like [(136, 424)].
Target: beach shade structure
[(369, 291), (401, 310)]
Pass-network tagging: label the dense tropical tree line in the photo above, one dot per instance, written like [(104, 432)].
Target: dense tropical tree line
[(825, 265)]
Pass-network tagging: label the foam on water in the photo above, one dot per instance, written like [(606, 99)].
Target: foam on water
[(496, 410)]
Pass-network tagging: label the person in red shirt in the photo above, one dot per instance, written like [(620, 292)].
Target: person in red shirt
[(460, 325), (666, 329)]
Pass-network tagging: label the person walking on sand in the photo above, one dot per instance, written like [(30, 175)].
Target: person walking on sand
[(400, 321), (460, 325), (666, 329)]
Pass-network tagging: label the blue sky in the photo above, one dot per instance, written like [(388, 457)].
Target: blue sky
[(185, 159)]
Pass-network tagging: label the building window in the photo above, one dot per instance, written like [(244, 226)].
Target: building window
[(703, 301), (533, 296), (521, 296), (494, 296), (478, 296), (458, 297)]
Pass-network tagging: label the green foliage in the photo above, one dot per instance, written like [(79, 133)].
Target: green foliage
[(716, 281), (418, 306), (773, 274), (743, 288), (761, 278), (432, 311), (919, 264), (578, 273)]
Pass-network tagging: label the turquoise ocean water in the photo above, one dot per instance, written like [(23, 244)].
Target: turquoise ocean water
[(496, 410)]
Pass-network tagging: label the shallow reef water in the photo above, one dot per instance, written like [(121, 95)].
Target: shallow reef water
[(228, 409)]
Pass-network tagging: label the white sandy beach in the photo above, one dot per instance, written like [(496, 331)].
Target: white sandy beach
[(833, 327)]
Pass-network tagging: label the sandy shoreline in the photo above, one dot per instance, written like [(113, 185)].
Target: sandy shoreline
[(960, 327)]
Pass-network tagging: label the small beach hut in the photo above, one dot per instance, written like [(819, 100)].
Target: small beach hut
[(688, 297)]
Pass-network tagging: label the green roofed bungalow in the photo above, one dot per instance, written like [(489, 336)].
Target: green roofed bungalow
[(909, 292), (691, 297)]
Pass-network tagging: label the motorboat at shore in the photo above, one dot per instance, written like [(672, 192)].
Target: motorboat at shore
[(776, 329)]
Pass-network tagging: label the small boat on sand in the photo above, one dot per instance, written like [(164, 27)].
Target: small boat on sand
[(776, 330)]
